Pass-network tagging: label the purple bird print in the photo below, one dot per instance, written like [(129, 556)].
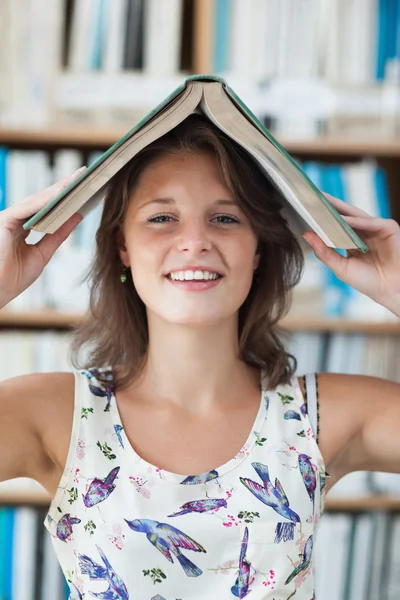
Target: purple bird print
[(241, 587), (116, 587), (104, 389), (308, 475), (118, 429), (275, 497), (305, 563), (64, 526), (100, 489), (200, 506), (303, 409), (168, 540), (203, 478), (74, 592), (292, 414)]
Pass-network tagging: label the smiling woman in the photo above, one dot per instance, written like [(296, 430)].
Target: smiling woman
[(193, 192)]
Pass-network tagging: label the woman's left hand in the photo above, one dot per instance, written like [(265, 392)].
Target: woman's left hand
[(375, 273)]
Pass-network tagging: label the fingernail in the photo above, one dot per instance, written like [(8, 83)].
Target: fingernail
[(79, 170)]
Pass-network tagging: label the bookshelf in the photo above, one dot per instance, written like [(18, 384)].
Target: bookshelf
[(347, 505)]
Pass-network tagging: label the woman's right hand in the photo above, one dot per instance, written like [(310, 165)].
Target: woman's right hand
[(22, 263)]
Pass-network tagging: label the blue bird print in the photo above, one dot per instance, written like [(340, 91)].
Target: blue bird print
[(241, 587), (292, 414), (200, 506), (100, 489), (168, 540), (203, 478), (308, 475), (74, 593), (303, 409), (116, 587), (104, 389), (305, 563), (64, 526), (275, 497), (118, 428)]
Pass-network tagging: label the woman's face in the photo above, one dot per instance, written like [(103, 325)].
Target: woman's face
[(182, 229)]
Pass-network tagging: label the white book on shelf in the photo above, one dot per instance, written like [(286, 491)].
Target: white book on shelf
[(115, 35), (52, 578), (162, 37), (273, 10), (377, 579), (333, 50), (307, 347), (301, 52), (393, 572), (24, 550), (81, 36), (248, 43), (333, 549), (362, 557)]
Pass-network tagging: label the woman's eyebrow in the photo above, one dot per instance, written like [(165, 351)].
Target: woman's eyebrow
[(220, 202)]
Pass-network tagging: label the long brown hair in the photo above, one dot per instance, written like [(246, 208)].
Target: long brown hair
[(115, 333)]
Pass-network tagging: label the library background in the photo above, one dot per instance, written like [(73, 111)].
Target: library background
[(324, 76)]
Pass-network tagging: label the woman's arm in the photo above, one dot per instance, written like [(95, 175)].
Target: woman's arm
[(359, 424), (376, 273)]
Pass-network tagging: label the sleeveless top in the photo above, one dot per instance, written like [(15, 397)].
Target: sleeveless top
[(124, 529)]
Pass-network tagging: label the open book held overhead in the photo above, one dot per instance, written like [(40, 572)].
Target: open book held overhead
[(303, 204)]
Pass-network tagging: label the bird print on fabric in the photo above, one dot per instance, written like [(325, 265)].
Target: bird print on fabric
[(241, 587), (306, 560), (64, 526), (116, 588), (200, 506), (292, 414), (103, 389), (308, 475), (100, 489), (203, 478), (169, 540), (118, 428), (275, 497)]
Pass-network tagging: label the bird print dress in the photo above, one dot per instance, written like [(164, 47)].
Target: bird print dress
[(123, 528)]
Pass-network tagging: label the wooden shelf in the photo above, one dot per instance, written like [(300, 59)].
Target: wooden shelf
[(58, 320), (363, 504), (385, 503), (92, 137)]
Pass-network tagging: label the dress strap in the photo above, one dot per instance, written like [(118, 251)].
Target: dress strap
[(311, 386)]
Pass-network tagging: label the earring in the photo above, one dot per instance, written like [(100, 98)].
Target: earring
[(123, 274)]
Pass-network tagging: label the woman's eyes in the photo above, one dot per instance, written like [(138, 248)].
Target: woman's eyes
[(225, 219)]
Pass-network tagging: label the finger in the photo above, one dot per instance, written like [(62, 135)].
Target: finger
[(51, 241), (328, 256), (30, 205), (372, 224), (344, 208)]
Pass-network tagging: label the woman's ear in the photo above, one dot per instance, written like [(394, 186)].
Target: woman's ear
[(256, 261), (121, 247)]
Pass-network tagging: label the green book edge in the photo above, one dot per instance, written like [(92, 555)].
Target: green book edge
[(249, 114)]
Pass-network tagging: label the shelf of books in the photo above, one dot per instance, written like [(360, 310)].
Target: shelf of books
[(324, 78)]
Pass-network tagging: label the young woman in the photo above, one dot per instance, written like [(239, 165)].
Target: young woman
[(184, 458)]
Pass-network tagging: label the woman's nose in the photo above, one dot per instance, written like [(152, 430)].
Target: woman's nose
[(195, 236)]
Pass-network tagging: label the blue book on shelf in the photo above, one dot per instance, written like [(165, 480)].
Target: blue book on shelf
[(387, 42), (221, 35), (3, 177), (98, 25), (336, 291), (382, 192), (6, 551)]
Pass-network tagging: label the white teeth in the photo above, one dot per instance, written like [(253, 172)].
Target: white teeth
[(189, 275)]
